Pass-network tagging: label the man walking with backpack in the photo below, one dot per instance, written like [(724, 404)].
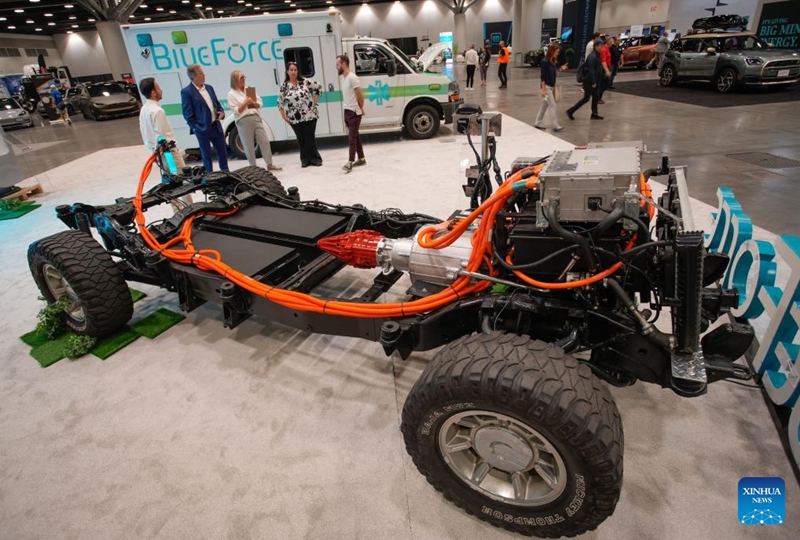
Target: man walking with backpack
[(589, 75)]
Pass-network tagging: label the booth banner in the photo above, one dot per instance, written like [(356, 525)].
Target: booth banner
[(755, 265), (780, 24), (579, 15), (637, 30)]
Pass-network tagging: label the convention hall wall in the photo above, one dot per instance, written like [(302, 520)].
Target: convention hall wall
[(13, 64), (618, 15), (83, 52)]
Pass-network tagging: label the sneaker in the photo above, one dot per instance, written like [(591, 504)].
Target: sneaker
[(272, 167), (359, 162), (596, 117), (540, 127), (559, 128), (348, 167), (569, 114)]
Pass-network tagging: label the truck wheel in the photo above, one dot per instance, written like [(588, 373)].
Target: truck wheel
[(235, 144), (726, 80), (517, 433), (422, 122), (263, 179), (668, 76), (72, 263)]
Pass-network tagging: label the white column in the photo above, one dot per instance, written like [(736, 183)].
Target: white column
[(532, 19), (518, 31), (460, 32), (114, 47)]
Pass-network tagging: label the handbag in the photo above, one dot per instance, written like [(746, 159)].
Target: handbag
[(557, 93)]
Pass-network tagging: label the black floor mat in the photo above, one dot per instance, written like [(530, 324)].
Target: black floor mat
[(705, 95)]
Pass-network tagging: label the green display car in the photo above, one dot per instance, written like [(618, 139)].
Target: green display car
[(729, 60)]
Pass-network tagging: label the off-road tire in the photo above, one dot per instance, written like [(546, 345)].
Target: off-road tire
[(538, 385), (97, 282), (263, 179), (235, 144), (418, 117)]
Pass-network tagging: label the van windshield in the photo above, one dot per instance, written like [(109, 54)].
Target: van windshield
[(403, 56)]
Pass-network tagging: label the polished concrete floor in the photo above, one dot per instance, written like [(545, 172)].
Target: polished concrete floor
[(695, 136)]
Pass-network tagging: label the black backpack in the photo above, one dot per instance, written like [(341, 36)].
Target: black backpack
[(581, 72)]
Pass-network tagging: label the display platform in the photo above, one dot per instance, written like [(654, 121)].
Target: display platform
[(705, 95), (266, 432)]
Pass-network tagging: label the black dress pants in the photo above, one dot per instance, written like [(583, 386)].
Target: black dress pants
[(306, 138), (588, 93), (470, 76), (501, 73)]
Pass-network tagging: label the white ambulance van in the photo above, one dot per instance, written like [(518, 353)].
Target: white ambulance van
[(399, 92)]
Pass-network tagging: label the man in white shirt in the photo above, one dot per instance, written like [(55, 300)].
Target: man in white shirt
[(153, 123), (590, 45), (353, 104), (471, 58)]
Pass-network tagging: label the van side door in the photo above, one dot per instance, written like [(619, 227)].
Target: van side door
[(384, 98)]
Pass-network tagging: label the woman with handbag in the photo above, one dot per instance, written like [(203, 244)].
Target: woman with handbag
[(297, 103), (550, 92)]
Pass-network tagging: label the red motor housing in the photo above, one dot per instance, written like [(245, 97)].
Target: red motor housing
[(357, 248)]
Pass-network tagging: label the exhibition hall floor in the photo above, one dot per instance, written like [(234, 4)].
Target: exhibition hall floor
[(263, 432)]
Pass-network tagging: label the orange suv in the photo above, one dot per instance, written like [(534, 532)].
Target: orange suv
[(638, 51)]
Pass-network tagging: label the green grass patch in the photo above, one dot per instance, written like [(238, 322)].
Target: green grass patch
[(157, 323), (18, 211), (52, 351), (35, 338), (113, 343), (137, 295)]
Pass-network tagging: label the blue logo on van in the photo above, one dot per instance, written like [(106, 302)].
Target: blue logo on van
[(217, 51)]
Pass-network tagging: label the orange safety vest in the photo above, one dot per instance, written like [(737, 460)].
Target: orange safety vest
[(502, 58)]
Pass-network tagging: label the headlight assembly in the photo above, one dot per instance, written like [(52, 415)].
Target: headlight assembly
[(754, 61)]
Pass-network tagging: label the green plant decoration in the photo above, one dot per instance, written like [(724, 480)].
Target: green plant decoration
[(78, 346)]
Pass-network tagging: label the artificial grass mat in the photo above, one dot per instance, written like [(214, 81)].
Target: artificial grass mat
[(156, 323), (47, 352), (19, 211)]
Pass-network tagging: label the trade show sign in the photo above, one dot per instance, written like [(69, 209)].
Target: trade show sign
[(753, 271), (780, 24)]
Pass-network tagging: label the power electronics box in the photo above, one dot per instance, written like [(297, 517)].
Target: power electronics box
[(587, 181)]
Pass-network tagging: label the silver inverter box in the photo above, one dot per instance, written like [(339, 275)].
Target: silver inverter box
[(587, 181)]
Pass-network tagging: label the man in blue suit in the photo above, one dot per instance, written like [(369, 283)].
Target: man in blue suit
[(203, 112)]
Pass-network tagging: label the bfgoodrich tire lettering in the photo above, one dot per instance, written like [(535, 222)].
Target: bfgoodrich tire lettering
[(540, 386), (101, 299)]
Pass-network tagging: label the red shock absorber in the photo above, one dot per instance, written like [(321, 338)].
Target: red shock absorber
[(357, 248)]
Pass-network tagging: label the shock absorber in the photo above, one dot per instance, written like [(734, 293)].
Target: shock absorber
[(688, 364)]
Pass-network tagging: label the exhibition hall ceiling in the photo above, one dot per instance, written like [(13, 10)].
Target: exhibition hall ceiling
[(47, 17)]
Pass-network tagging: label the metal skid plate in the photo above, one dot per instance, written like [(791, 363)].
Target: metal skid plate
[(689, 367)]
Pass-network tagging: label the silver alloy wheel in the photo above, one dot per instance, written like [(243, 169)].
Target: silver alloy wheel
[(666, 75), (58, 287), (423, 122), (725, 80), (502, 458)]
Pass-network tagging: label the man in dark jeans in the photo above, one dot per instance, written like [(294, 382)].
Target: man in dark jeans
[(592, 71), (616, 58), (353, 104)]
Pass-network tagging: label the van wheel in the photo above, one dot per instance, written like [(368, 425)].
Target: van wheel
[(235, 144), (422, 122), (726, 80)]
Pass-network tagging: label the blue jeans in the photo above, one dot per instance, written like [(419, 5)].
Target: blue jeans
[(217, 138)]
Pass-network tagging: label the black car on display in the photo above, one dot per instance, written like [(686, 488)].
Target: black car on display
[(549, 284), (728, 61), (104, 100)]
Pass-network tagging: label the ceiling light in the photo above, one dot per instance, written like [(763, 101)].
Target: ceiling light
[(248, 5), (38, 29), (288, 1), (91, 20), (209, 9), (73, 18), (12, 27), (19, 11), (143, 6), (220, 11), (2, 18), (69, 31), (240, 1), (329, 2), (159, 9), (299, 11), (34, 1), (256, 8), (51, 24), (74, 26), (148, 19), (173, 11), (29, 21), (293, 5), (185, 1), (68, 6), (48, 14), (198, 5)]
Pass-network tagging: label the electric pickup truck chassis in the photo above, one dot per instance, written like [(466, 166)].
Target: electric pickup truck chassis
[(544, 289)]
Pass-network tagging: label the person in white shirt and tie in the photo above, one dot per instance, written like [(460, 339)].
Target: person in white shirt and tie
[(248, 121)]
